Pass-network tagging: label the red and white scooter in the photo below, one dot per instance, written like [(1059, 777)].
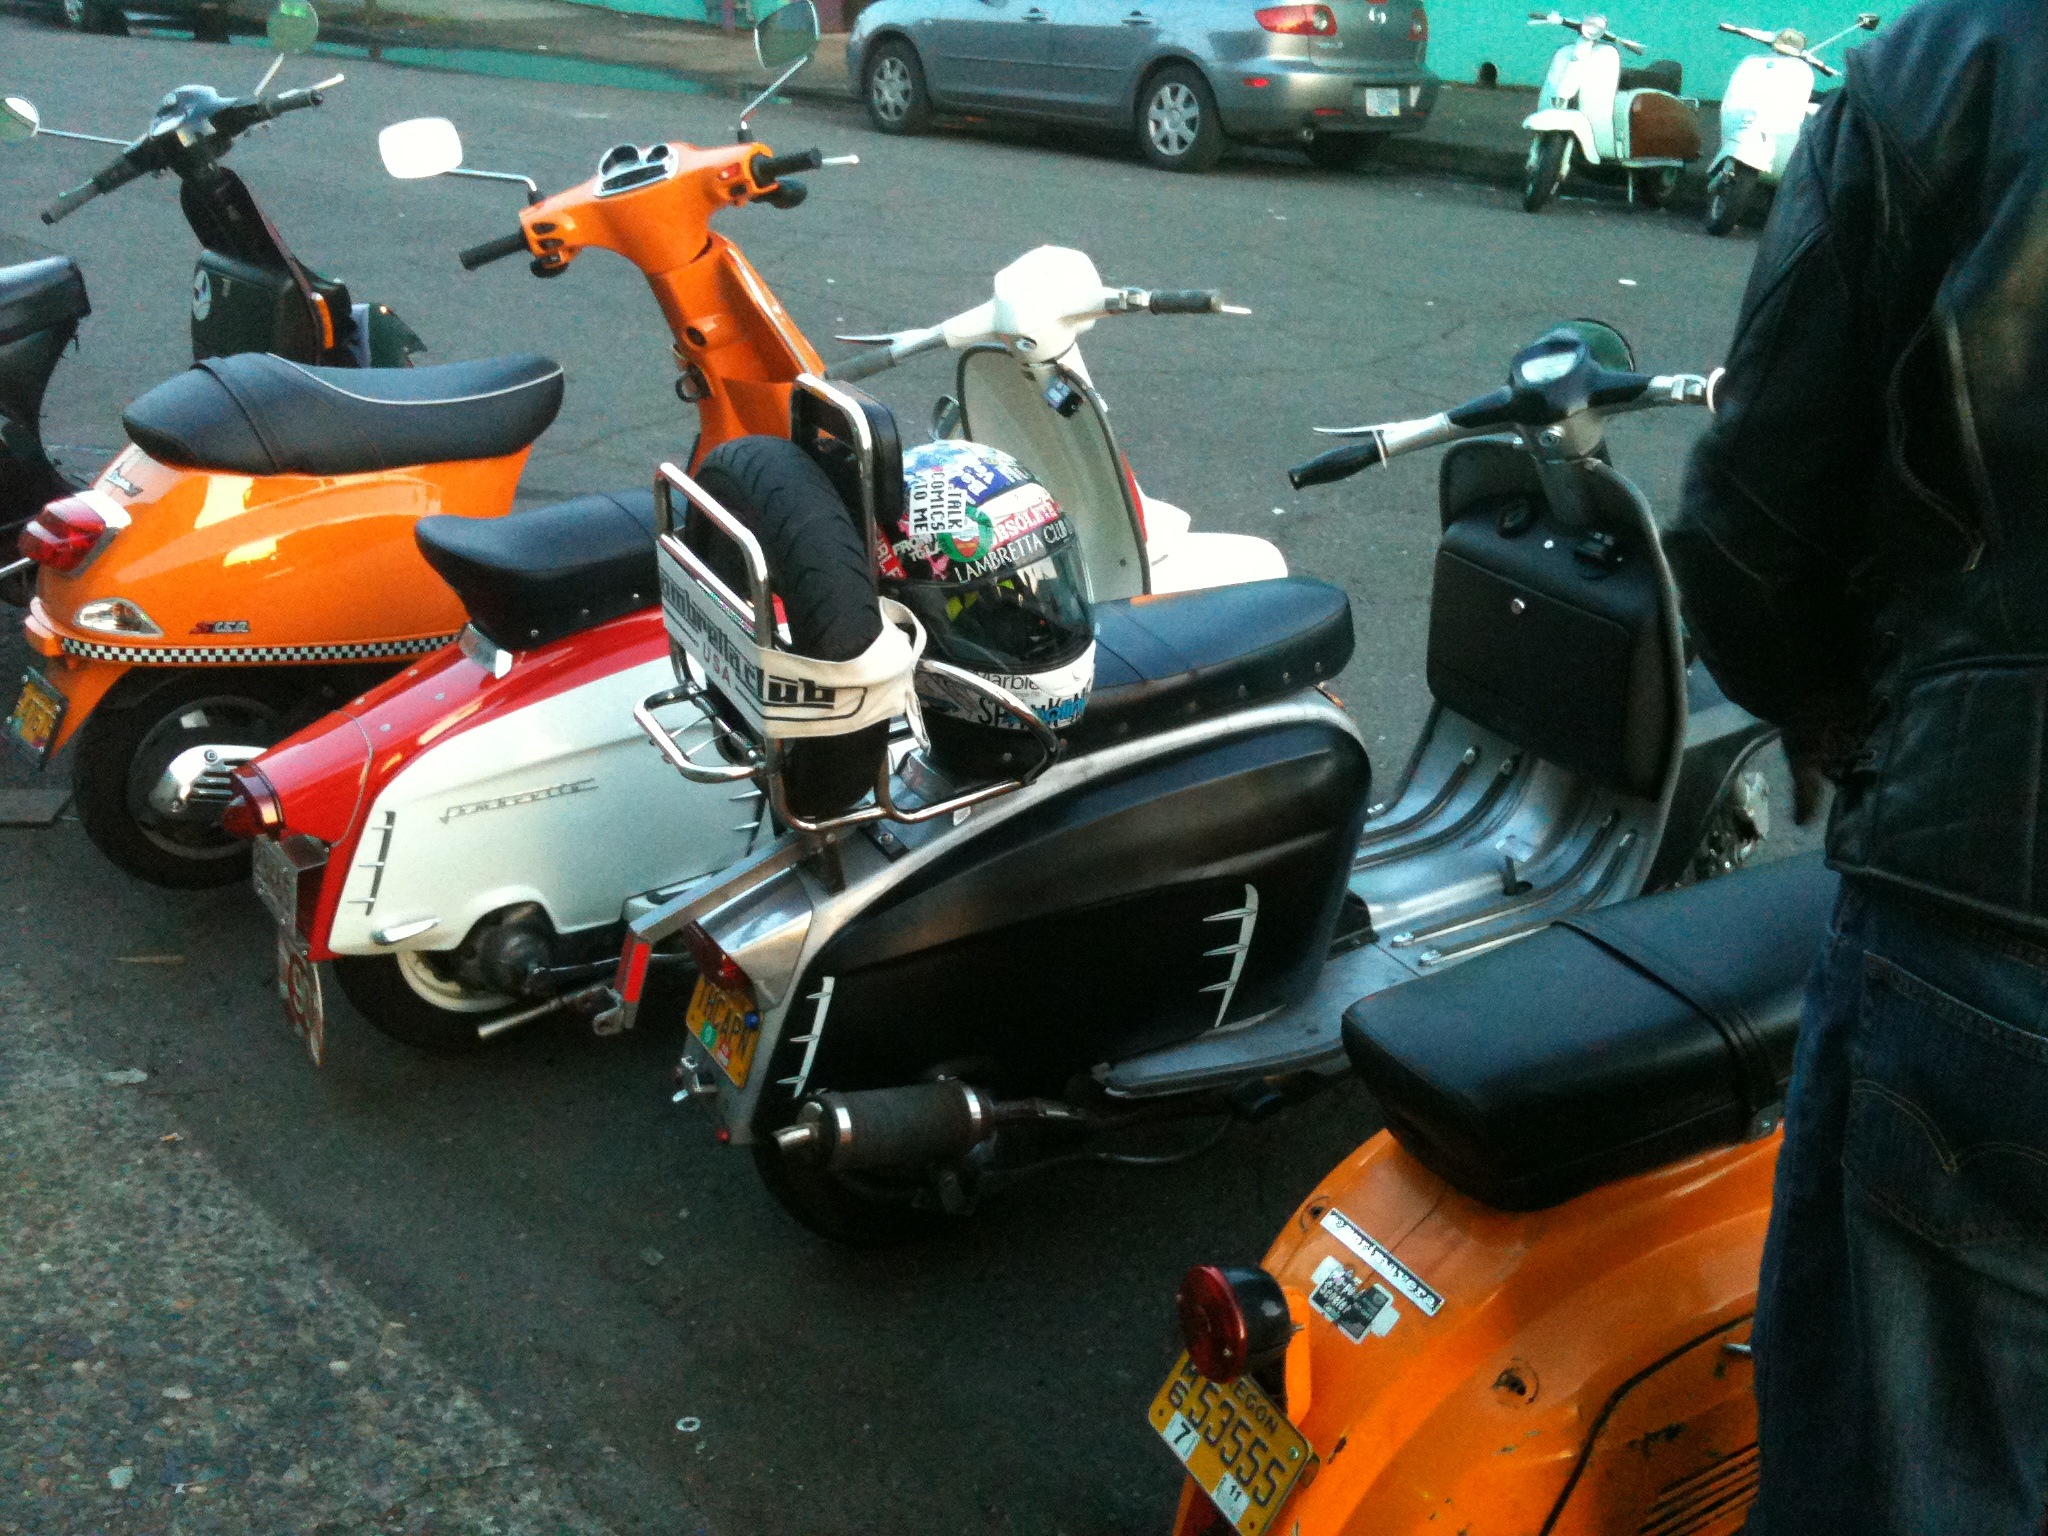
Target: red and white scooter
[(466, 842)]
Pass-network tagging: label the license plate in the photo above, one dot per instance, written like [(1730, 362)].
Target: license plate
[(1382, 101), (276, 880), (729, 1025), (1234, 1443), (298, 982), (38, 711)]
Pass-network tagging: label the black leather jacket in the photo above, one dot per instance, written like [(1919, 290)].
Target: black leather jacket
[(1864, 544)]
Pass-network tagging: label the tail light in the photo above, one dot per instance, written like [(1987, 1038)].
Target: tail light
[(1131, 481), (63, 536), (713, 963), (255, 811), (1232, 1320), (1418, 25), (1298, 20)]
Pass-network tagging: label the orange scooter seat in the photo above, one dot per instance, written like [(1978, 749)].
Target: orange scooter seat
[(539, 575), (254, 414), (1605, 1046)]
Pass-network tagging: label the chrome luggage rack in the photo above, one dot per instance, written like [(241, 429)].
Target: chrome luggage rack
[(743, 634)]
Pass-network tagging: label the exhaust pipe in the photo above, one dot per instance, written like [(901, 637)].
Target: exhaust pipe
[(899, 1130)]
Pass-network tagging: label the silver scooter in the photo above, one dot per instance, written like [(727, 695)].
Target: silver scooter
[(1161, 916)]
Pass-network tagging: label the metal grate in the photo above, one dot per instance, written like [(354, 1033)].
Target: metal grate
[(1716, 1496)]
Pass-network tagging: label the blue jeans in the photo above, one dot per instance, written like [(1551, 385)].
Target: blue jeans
[(1902, 1317)]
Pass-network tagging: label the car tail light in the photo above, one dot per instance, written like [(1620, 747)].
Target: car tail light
[(63, 535), (1418, 25), (1232, 1320), (713, 963), (1298, 20), (255, 810), (633, 960)]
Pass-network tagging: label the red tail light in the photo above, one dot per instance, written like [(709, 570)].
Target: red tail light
[(1232, 1319), (1131, 478), (1298, 20), (633, 967), (255, 809), (1418, 25), (713, 963), (63, 535)]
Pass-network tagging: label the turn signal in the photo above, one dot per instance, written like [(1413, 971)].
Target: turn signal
[(1299, 20), (713, 963), (255, 809), (62, 535), (1232, 1319)]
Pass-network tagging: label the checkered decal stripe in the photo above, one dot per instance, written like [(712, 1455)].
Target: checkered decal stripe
[(232, 655)]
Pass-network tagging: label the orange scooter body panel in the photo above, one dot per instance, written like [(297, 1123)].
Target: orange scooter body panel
[(275, 570), (1574, 1381)]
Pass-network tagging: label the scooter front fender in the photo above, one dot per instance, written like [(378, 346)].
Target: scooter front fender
[(1565, 120), (1550, 1335)]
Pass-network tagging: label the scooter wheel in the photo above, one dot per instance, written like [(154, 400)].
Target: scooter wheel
[(1728, 198), (147, 721), (1549, 160), (819, 566), (839, 1211), (407, 998)]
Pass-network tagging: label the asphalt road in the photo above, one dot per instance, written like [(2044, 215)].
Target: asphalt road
[(557, 1240)]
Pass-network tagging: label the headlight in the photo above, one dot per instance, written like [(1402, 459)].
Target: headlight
[(116, 616)]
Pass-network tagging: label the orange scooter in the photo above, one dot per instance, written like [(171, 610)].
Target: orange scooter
[(1525, 1307), (248, 561)]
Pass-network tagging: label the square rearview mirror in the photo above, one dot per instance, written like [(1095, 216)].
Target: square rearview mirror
[(787, 36), (420, 147)]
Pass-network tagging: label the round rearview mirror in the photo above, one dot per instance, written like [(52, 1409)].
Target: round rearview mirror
[(420, 147), (293, 26), (787, 36), (19, 119)]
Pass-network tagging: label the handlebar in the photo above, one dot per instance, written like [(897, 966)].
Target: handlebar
[(1186, 301), (117, 173), (1337, 464), (769, 169), (295, 100), (1555, 19), (493, 250)]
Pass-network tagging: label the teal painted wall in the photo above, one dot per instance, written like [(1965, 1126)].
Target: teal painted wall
[(1463, 34)]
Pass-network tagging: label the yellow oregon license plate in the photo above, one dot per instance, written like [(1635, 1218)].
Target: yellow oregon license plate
[(1234, 1442), (38, 710), (729, 1025)]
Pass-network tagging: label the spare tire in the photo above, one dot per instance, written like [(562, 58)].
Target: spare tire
[(820, 568)]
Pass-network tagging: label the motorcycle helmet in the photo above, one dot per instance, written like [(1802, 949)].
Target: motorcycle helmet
[(992, 570)]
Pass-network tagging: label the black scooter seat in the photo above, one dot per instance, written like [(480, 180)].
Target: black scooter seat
[(254, 414), (40, 295), (1164, 661), (537, 576), (1657, 75), (1605, 1046)]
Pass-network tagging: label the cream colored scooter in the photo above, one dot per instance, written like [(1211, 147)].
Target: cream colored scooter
[(1591, 109), (1023, 385)]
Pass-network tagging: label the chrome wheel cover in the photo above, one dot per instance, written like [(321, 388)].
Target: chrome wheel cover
[(445, 993), (1173, 119), (889, 89)]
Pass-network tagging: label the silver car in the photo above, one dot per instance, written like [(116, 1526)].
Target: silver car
[(1184, 76)]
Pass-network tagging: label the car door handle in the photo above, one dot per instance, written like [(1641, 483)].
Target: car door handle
[(1035, 14), (1139, 19)]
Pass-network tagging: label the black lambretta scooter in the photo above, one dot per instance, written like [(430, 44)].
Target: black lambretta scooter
[(1165, 917), (249, 292)]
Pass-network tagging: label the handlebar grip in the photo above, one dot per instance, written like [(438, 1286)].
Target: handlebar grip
[(493, 250), (864, 365), (71, 202), (292, 101), (767, 169), (1337, 464), (1186, 301)]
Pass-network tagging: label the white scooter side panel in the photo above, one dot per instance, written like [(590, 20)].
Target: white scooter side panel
[(1764, 112), (562, 802), (1185, 561)]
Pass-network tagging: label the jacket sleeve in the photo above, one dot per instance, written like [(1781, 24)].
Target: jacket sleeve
[(1777, 491)]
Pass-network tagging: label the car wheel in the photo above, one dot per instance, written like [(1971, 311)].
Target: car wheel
[(93, 16), (210, 25), (1178, 126), (1343, 151), (1549, 162), (1728, 198), (894, 86)]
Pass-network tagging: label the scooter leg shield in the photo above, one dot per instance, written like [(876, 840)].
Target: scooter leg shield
[(1525, 1371)]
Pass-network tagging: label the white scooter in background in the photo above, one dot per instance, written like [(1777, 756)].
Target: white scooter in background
[(1632, 120), (1763, 112), (1024, 387)]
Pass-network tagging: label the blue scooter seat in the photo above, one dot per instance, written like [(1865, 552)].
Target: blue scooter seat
[(39, 296)]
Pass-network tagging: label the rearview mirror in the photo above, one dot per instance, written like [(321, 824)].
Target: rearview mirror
[(420, 147), (293, 26), (19, 119), (787, 36), (1868, 20)]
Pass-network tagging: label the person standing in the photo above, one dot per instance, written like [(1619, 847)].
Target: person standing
[(1863, 553)]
